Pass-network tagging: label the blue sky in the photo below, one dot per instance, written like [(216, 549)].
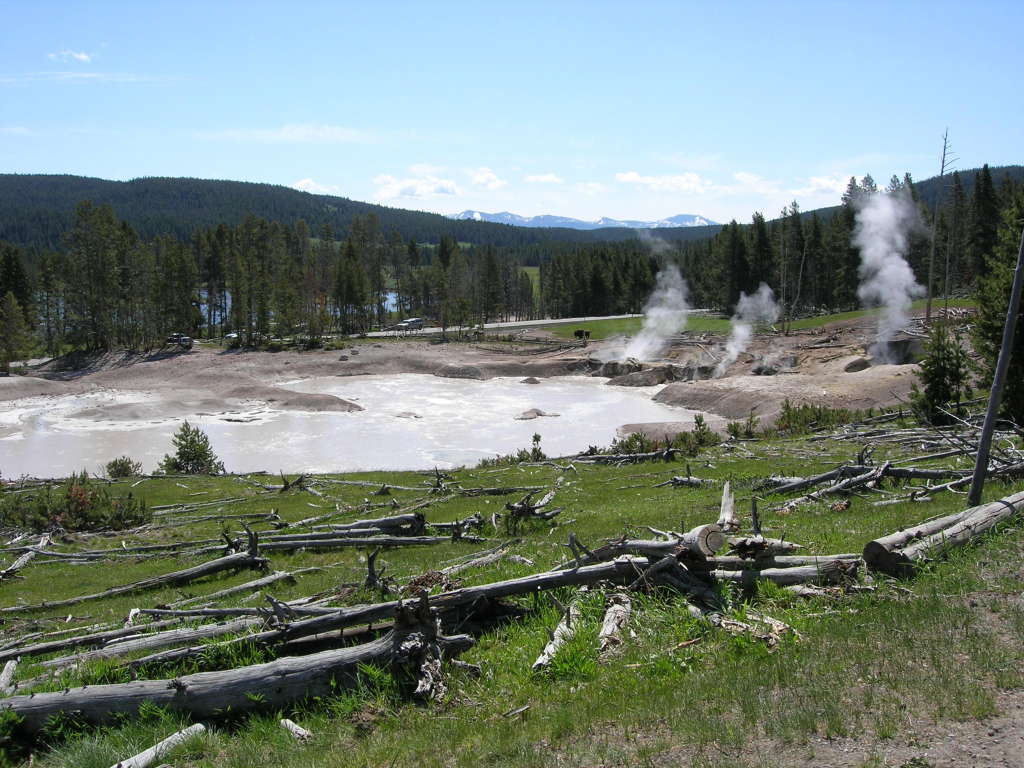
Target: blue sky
[(638, 110)]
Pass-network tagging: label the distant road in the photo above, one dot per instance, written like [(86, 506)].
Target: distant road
[(514, 324)]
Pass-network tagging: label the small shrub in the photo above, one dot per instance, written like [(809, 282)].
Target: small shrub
[(124, 466), (80, 504), (945, 375), (193, 454), (533, 453), (804, 419)]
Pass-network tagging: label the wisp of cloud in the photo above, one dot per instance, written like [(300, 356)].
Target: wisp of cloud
[(882, 231), (757, 309), (665, 314)]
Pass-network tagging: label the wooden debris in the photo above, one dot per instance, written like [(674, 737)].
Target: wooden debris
[(22, 561), (900, 553), (727, 520), (563, 632), (300, 733), (616, 616), (157, 751), (265, 687), (7, 677)]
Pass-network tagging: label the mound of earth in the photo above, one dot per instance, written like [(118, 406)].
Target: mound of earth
[(455, 371), (530, 380), (533, 413), (287, 400), (17, 387)]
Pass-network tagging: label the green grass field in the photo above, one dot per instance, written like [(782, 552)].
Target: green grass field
[(679, 690), (606, 329)]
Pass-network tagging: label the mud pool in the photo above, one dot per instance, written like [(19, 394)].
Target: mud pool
[(410, 421)]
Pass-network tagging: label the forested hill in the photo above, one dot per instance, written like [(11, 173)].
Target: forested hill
[(36, 211)]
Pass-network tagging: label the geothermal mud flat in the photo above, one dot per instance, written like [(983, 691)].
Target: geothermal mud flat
[(403, 421)]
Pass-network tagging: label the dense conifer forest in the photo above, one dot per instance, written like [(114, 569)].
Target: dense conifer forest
[(212, 258)]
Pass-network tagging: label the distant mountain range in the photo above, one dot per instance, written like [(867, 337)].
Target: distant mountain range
[(565, 222)]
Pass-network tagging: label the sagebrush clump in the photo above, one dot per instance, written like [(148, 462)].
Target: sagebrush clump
[(80, 504)]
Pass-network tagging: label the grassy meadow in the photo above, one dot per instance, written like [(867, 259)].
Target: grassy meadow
[(876, 663)]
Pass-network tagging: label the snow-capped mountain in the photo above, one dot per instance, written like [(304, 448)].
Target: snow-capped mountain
[(682, 220)]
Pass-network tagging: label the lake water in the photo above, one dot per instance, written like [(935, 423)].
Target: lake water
[(460, 421)]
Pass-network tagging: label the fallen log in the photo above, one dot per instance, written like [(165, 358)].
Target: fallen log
[(752, 547), (128, 645), (95, 638), (157, 751), (616, 616), (563, 632), (830, 572), (7, 677), (270, 686), (627, 458), (621, 571), (296, 730), (234, 561), (678, 481), (900, 553), (369, 542), (22, 561), (253, 585), (736, 563), (727, 519)]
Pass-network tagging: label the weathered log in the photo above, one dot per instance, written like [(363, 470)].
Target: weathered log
[(678, 481), (296, 730), (830, 572), (96, 638), (616, 616), (228, 562), (627, 458), (727, 520), (22, 561), (374, 541), (736, 563), (157, 751), (7, 677), (253, 585), (759, 546), (901, 552), (621, 571), (128, 645), (870, 475), (487, 558), (270, 686), (410, 523), (563, 632)]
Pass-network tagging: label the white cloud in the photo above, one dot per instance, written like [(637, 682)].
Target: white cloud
[(820, 184), (308, 185), (424, 185), (69, 55), (544, 178), (291, 133), (688, 182), (485, 177)]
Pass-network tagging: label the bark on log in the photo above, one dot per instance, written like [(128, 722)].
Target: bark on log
[(270, 686), (901, 552), (229, 562), (735, 563), (157, 751), (759, 546), (616, 616)]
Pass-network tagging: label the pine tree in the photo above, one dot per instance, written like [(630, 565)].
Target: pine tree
[(993, 299), (14, 335), (984, 222)]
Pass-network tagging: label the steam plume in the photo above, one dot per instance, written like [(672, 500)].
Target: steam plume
[(757, 309), (664, 314), (882, 233)]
